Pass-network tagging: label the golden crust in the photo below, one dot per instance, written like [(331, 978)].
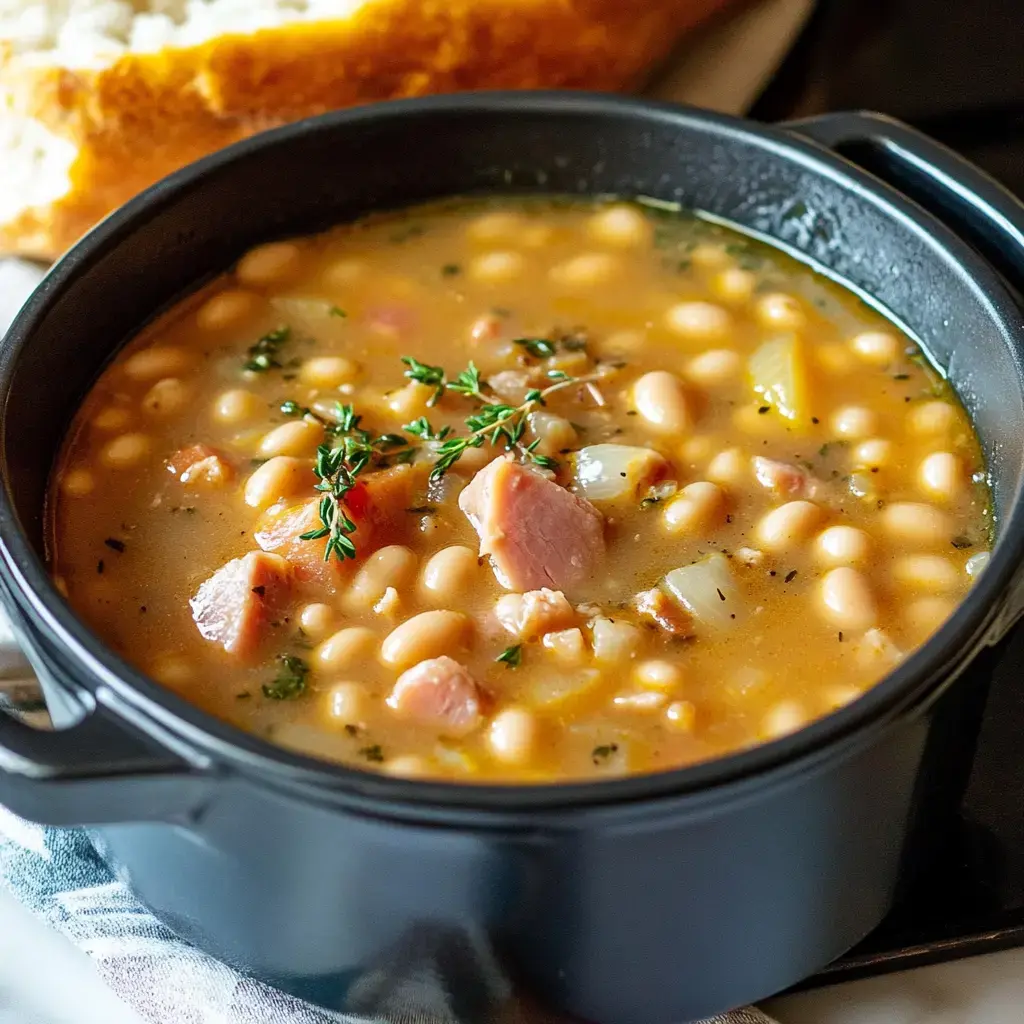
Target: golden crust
[(146, 115)]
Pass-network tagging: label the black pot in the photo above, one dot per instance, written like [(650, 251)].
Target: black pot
[(646, 900)]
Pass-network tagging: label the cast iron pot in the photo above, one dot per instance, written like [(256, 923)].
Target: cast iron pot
[(647, 900)]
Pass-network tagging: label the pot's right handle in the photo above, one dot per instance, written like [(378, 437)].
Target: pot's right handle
[(973, 204)]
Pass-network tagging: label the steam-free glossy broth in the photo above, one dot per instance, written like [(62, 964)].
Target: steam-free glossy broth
[(523, 490)]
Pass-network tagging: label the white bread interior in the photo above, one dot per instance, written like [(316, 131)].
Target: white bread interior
[(99, 98)]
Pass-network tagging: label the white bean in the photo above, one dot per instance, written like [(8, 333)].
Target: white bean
[(660, 398), (427, 635), (497, 267), (681, 716), (780, 312), (316, 620), (734, 285), (279, 477), (124, 451), (328, 371), (784, 718), (166, 397), (448, 573), (788, 525), (916, 523), (926, 614), (499, 226), (388, 567), (872, 453), (931, 573), (879, 348), (236, 406), (299, 437), (113, 417), (847, 601), (77, 482), (268, 264), (694, 506), (701, 321), (715, 366), (586, 271), (620, 225), (228, 309), (344, 648), (941, 475), (347, 704), (512, 735), (854, 421), (842, 545), (410, 401), (708, 256), (728, 467), (158, 361), (931, 418), (658, 674)]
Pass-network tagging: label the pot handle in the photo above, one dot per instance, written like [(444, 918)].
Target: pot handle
[(980, 210), (97, 772), (101, 770), (974, 205)]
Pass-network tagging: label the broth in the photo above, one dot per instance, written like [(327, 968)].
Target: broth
[(624, 490)]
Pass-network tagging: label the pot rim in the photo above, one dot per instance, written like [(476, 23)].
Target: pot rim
[(918, 679)]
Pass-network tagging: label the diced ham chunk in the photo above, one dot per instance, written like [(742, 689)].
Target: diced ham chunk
[(378, 502), (786, 480), (280, 530), (233, 607), (536, 533), (529, 615), (200, 465), (439, 693), (664, 613)]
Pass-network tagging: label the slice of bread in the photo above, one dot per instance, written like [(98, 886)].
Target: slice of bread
[(100, 98)]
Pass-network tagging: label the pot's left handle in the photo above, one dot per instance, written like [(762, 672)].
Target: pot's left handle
[(101, 770)]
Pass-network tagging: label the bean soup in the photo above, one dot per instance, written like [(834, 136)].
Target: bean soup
[(519, 489)]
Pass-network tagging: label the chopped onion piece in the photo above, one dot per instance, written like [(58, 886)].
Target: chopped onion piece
[(616, 472), (707, 591)]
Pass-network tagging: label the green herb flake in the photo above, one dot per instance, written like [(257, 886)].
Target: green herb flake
[(960, 542), (602, 753), (511, 657), (263, 356), (540, 348), (338, 312), (451, 270), (373, 753), (290, 681)]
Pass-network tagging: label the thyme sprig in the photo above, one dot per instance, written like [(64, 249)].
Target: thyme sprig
[(499, 423), (338, 464)]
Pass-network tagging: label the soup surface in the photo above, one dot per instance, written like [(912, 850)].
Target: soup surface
[(519, 489)]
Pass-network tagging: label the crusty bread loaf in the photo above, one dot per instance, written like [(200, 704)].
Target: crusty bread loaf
[(103, 97)]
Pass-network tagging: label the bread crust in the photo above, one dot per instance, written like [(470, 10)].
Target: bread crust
[(145, 115)]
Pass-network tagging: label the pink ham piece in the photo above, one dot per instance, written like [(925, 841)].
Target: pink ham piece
[(536, 533), (439, 693), (786, 480), (233, 607)]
